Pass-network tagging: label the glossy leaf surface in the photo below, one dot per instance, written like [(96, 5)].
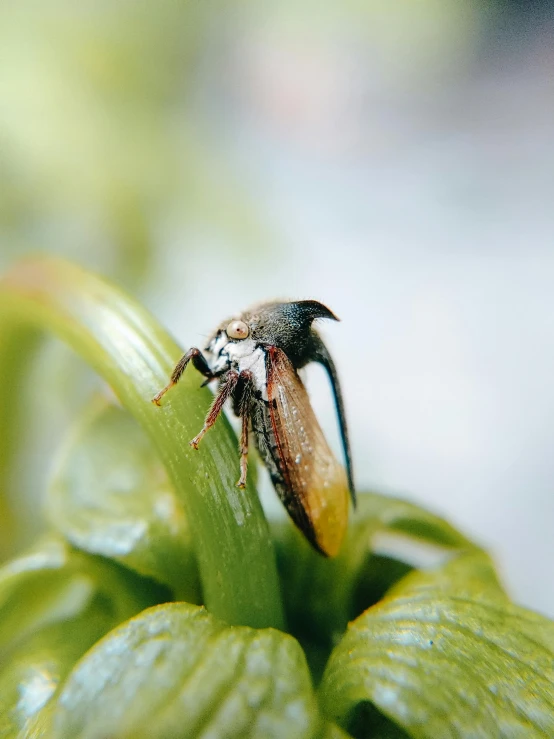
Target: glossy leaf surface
[(111, 495), (447, 654), (55, 603), (175, 671)]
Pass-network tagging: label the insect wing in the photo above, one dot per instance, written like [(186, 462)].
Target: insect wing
[(317, 486)]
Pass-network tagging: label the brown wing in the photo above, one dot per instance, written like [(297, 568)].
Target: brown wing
[(317, 487)]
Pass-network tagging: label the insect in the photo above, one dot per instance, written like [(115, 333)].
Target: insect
[(255, 357)]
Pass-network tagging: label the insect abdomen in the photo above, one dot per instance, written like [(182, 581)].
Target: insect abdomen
[(267, 446)]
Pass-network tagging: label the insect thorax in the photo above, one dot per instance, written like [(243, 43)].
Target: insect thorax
[(241, 356)]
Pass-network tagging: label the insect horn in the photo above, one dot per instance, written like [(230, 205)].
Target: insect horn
[(306, 311)]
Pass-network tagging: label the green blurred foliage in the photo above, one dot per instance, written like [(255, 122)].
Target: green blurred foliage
[(55, 603), (99, 149)]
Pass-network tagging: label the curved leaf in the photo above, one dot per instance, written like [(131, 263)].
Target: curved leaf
[(110, 495), (386, 538), (469, 572), (55, 603), (136, 356), (446, 654), (175, 671)]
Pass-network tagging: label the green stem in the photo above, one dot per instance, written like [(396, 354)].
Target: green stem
[(129, 349)]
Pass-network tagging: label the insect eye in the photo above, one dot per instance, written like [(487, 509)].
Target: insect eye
[(237, 330)]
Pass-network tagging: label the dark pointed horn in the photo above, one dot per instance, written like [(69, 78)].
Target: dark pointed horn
[(309, 310)]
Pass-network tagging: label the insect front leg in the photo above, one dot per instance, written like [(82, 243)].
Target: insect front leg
[(199, 362), (217, 406)]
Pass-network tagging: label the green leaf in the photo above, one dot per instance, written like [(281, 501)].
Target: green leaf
[(469, 572), (124, 343), (175, 671), (110, 495), (55, 603), (386, 539), (332, 731), (385, 513), (446, 654)]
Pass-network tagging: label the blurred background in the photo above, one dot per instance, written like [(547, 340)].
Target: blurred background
[(393, 160)]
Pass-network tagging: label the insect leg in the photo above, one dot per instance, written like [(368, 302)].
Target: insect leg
[(217, 406), (244, 412), (199, 362), (243, 451)]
